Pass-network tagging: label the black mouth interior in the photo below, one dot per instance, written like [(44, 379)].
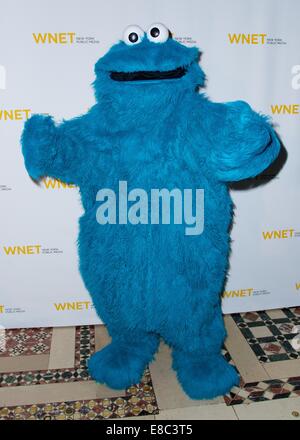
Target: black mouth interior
[(145, 75)]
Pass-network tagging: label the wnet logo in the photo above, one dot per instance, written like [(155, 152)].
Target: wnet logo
[(297, 286), (241, 293), (1, 308), (15, 114), (73, 306), (54, 38), (56, 184), (285, 109), (249, 39), (33, 249), (280, 234)]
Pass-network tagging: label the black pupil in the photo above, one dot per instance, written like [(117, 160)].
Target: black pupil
[(133, 37), (154, 32)]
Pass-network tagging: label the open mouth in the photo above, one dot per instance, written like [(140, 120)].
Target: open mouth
[(148, 75)]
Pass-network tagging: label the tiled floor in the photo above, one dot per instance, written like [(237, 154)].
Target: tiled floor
[(43, 375), (269, 333), (27, 342)]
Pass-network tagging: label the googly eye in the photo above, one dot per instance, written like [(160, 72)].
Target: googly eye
[(133, 34), (158, 33)]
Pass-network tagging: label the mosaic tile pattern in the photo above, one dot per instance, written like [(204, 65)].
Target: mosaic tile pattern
[(84, 348), (246, 393), (269, 334), (262, 391), (84, 345), (29, 341), (42, 377), (227, 357), (139, 401)]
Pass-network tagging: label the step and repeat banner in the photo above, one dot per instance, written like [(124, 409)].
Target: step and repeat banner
[(250, 51)]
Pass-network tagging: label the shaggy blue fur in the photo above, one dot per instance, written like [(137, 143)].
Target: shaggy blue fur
[(152, 281)]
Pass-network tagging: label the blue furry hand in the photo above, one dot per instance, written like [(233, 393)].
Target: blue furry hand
[(245, 141), (56, 151), (38, 140)]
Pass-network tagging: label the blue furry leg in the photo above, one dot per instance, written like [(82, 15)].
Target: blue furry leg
[(204, 376), (122, 362)]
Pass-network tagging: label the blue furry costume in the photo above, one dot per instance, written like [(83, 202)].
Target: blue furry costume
[(151, 128)]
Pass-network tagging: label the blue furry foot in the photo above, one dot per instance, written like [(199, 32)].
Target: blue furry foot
[(204, 377), (119, 365)]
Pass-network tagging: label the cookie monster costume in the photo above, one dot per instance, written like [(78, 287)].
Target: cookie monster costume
[(152, 129)]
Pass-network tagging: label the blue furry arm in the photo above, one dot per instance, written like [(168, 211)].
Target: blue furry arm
[(243, 141), (54, 151)]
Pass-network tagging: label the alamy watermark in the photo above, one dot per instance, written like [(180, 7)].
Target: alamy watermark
[(160, 206)]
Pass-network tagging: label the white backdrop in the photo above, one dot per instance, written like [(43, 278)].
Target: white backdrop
[(250, 52)]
